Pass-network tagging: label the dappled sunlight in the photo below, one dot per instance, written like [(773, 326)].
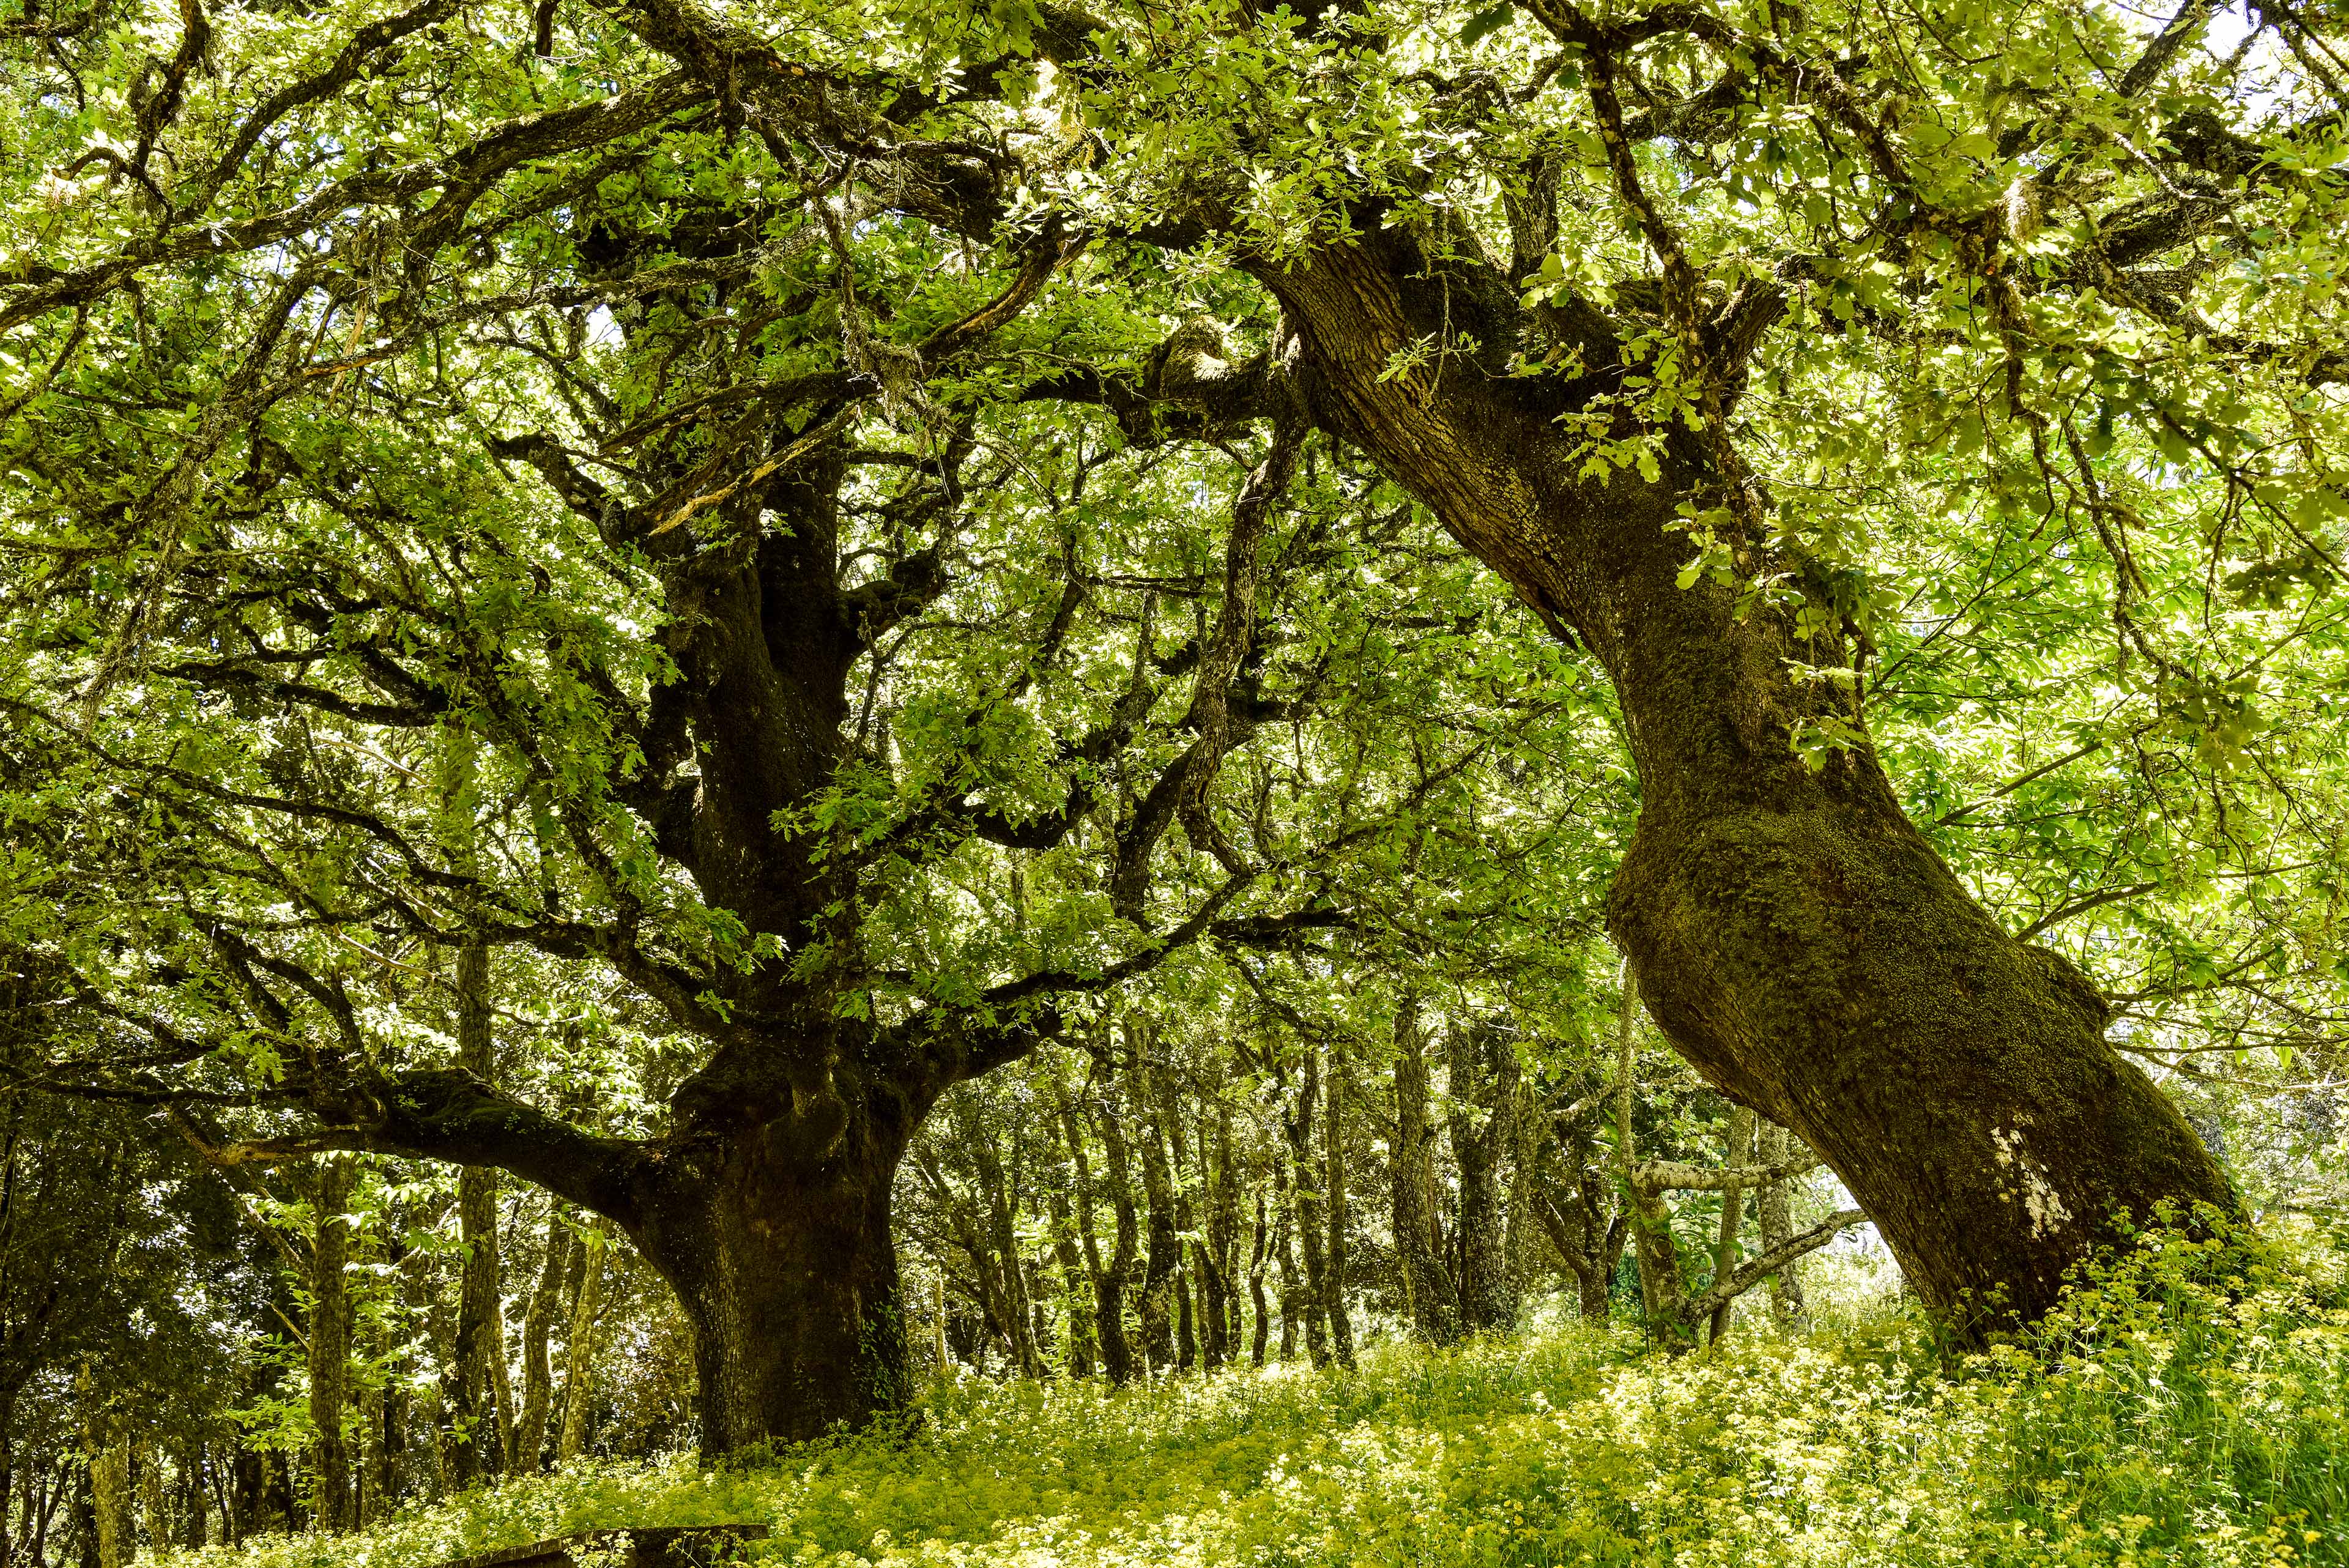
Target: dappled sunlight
[(2187, 1406)]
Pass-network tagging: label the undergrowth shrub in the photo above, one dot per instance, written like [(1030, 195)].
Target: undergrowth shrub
[(2186, 1405)]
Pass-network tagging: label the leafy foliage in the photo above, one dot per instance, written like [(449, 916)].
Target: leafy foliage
[(2180, 1409)]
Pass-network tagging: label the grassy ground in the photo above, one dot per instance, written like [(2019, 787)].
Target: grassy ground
[(2185, 1410)]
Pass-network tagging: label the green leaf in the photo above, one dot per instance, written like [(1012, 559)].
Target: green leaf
[(1486, 23)]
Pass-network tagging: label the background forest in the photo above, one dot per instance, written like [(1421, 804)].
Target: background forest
[(1382, 782)]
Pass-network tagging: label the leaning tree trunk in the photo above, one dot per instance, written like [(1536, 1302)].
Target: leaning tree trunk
[(1793, 933)]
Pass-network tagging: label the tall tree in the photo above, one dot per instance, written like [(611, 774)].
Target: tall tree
[(334, 1503), (634, 416)]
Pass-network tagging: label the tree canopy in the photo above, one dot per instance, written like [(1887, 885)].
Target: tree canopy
[(777, 559)]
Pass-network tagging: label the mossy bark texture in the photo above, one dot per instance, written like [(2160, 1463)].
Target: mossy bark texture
[(1792, 934)]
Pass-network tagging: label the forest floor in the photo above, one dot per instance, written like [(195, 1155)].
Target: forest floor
[(2186, 1408)]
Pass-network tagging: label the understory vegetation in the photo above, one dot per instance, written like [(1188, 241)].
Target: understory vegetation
[(1319, 782), (2189, 1405)]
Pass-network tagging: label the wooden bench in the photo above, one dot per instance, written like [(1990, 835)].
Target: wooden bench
[(686, 1546)]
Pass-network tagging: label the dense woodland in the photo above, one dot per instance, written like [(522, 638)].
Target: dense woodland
[(741, 724)]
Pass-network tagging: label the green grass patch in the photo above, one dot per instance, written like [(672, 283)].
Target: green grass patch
[(2190, 1406)]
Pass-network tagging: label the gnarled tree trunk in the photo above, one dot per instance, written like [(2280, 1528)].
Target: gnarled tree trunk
[(1793, 933), (777, 1242)]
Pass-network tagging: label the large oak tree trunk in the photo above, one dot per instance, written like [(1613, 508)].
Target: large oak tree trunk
[(776, 1238), (1793, 933)]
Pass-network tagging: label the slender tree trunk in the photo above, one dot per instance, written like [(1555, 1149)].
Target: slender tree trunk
[(1108, 1306), (1109, 1285), (224, 1493), (109, 1499), (150, 1500), (1569, 1206), (1161, 1262), (529, 1452), (998, 1254), (502, 1378), (373, 1456), (8, 1489), (1771, 1205), (192, 1508), (1732, 1215), (1528, 1138), (1076, 1288), (37, 1552), (1334, 1155), (579, 1344), (1255, 1287), (480, 1346), (1293, 1295), (1310, 1225), (1795, 937), (1215, 1246), (1432, 1296), (1181, 1184), (330, 1343), (1664, 1293), (1186, 1329), (1485, 1077)]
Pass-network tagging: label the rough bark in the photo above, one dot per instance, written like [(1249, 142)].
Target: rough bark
[(579, 1344), (1732, 1215), (779, 1248), (1333, 1153), (1483, 1127), (529, 1452), (1795, 937), (1432, 1296), (1109, 1281), (479, 1344), (1770, 1207), (333, 1505), (1306, 1207)]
